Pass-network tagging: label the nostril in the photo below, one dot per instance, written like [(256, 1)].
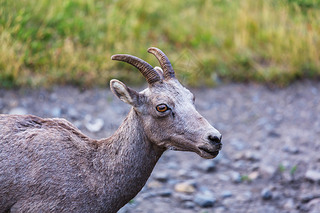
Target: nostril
[(214, 139)]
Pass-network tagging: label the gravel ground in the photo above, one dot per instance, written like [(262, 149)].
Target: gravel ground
[(269, 162)]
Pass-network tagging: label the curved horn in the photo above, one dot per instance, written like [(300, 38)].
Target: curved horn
[(165, 64), (146, 69)]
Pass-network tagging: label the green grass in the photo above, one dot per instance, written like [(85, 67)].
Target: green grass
[(45, 42)]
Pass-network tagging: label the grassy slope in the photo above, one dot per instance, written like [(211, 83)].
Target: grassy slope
[(44, 42)]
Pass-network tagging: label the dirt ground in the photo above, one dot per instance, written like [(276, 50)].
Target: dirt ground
[(270, 160)]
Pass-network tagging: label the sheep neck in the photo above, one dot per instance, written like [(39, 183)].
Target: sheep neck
[(126, 160)]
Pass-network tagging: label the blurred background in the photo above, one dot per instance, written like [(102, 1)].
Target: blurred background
[(47, 42), (57, 53)]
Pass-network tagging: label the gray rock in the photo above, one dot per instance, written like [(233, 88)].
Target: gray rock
[(220, 209), (313, 176), (226, 194), (149, 194), (188, 205), (236, 177), (314, 205), (173, 181), (287, 177), (266, 194), (207, 166), (239, 165), (161, 176), (230, 202), (193, 174), (289, 204), (256, 146), (204, 199), (291, 150), (165, 192), (223, 177), (18, 111), (252, 156), (273, 134), (308, 197), (267, 170), (243, 197), (204, 189), (73, 113), (183, 197), (186, 173)]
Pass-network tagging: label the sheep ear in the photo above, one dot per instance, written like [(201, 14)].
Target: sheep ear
[(125, 93)]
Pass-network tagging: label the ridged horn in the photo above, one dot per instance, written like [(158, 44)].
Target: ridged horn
[(165, 64), (146, 69)]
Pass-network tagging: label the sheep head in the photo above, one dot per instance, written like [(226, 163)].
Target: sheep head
[(166, 109)]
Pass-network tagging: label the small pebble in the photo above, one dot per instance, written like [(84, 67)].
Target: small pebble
[(289, 204), (244, 196), (226, 194), (165, 193), (266, 194), (220, 209), (188, 205), (223, 177), (253, 175), (148, 195), (291, 150), (236, 177), (183, 197), (204, 200), (267, 170), (154, 184), (313, 175), (73, 113), (314, 205), (248, 155), (252, 156), (185, 187), (161, 176), (207, 166), (274, 134), (308, 197)]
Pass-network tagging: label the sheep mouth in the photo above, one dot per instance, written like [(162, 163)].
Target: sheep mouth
[(212, 154)]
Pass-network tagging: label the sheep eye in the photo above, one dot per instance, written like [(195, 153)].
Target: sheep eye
[(162, 108)]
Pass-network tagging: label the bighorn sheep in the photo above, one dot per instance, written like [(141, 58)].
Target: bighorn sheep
[(48, 165)]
